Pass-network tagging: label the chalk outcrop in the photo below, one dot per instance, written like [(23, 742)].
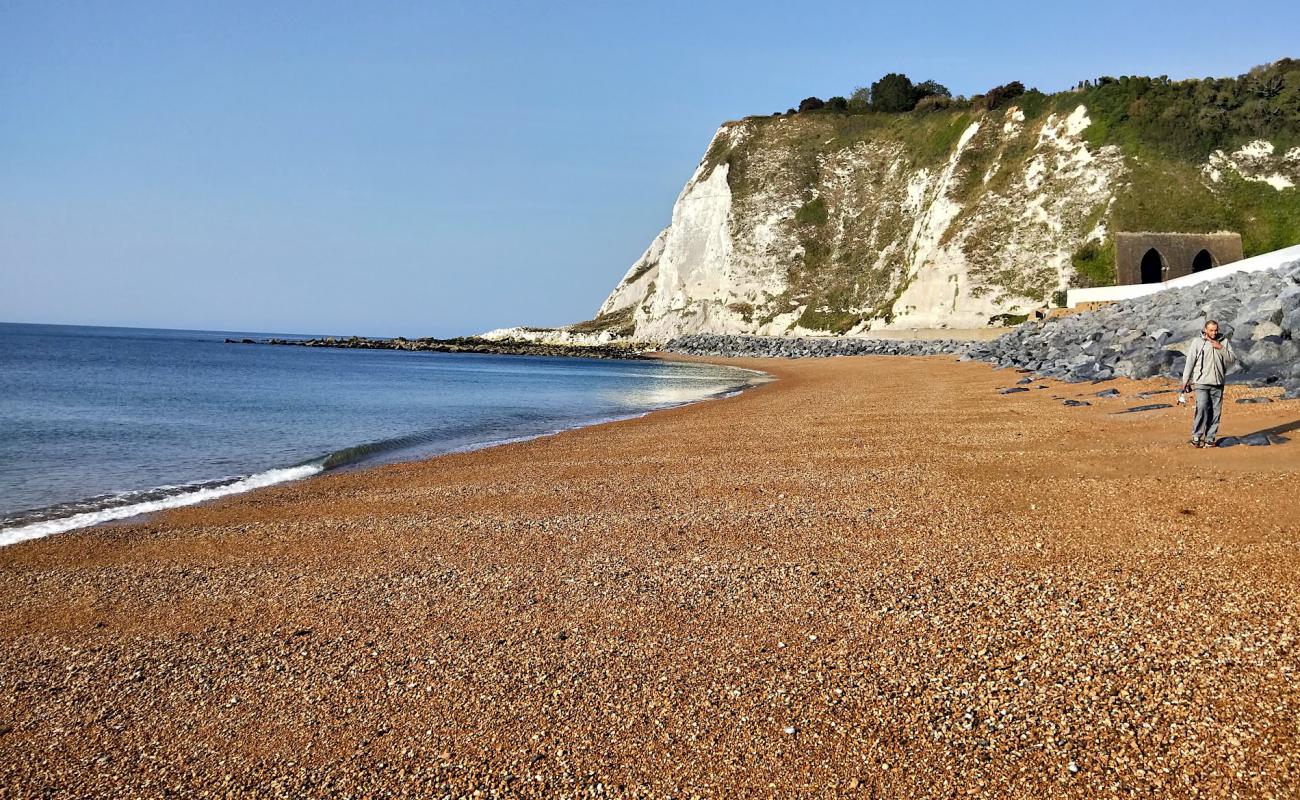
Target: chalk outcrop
[(1256, 161), (864, 231)]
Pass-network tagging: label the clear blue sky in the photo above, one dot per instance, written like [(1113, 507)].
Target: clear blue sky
[(440, 168)]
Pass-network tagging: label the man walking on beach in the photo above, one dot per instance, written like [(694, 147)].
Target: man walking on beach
[(1208, 359)]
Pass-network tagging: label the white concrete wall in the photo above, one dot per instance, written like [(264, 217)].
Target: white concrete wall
[(1257, 263)]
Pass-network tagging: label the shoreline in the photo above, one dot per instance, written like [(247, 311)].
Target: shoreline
[(869, 575), (205, 491)]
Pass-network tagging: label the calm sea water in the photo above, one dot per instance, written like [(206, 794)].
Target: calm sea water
[(106, 423)]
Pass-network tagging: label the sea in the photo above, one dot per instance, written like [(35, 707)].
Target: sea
[(101, 424)]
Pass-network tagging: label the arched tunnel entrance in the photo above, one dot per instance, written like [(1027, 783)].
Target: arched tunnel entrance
[(1153, 267), (1202, 261)]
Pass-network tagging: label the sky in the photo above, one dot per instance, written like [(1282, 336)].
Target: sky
[(444, 168)]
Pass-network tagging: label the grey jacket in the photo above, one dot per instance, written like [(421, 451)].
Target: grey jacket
[(1206, 364)]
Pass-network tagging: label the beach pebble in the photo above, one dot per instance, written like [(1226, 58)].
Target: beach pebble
[(968, 643)]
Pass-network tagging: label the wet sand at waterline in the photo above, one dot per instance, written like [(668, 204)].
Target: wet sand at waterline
[(872, 577)]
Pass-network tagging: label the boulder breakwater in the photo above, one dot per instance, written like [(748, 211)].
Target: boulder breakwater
[(727, 346), (465, 344), (1141, 338)]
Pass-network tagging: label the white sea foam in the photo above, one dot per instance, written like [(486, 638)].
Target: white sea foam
[(35, 530)]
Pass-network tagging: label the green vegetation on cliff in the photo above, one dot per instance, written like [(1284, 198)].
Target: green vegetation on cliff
[(1168, 129), (618, 323), (832, 162), (1187, 120)]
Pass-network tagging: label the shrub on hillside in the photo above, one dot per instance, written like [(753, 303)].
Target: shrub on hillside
[(893, 93), (934, 102), (811, 104), (999, 96), (1094, 265), (812, 212), (926, 89)]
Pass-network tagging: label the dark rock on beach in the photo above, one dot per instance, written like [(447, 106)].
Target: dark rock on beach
[(1147, 407), (1262, 439)]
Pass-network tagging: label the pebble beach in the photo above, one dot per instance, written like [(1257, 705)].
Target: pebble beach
[(871, 577)]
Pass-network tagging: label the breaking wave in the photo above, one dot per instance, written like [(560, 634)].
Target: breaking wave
[(107, 508), (35, 523)]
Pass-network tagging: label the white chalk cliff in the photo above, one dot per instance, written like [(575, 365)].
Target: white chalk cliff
[(808, 225)]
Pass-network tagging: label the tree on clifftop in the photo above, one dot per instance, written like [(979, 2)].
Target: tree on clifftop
[(999, 95), (931, 89), (810, 104), (894, 92)]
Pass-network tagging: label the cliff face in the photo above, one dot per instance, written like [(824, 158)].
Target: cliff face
[(825, 224)]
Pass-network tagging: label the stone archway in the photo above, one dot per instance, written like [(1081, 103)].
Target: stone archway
[(1204, 260), (1153, 267), (1177, 254)]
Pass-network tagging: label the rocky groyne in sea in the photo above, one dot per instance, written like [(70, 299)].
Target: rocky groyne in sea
[(1139, 338), (465, 344)]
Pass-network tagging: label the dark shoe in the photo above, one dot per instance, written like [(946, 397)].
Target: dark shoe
[(1211, 443), (1195, 442)]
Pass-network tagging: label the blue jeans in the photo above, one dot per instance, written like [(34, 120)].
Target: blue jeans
[(1209, 406)]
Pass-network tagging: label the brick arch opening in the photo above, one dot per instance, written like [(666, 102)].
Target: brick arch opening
[(1153, 266), (1202, 261), (1176, 253)]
